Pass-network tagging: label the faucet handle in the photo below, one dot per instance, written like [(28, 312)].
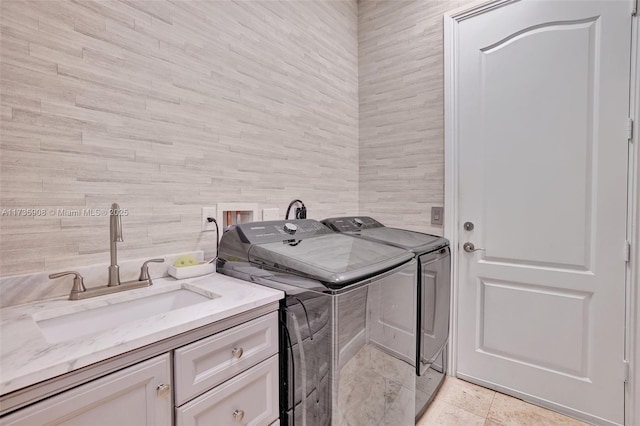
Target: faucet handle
[(144, 270), (78, 282)]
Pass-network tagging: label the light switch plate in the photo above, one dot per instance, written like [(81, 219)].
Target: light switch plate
[(436, 215)]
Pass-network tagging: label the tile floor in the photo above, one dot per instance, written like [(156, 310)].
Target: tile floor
[(373, 375), (460, 403)]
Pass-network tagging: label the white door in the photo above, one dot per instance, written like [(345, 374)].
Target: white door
[(542, 100)]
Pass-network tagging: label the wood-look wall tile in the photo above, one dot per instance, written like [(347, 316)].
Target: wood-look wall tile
[(401, 102), (111, 10), (165, 107), (16, 225)]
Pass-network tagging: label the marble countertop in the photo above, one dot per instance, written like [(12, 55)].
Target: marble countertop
[(27, 358)]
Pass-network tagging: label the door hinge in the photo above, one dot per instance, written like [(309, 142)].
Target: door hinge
[(630, 128), (627, 252), (634, 11), (626, 370)]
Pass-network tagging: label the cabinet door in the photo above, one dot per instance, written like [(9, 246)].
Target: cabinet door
[(250, 398), (127, 397)]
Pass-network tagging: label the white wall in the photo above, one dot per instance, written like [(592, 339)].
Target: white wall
[(165, 107)]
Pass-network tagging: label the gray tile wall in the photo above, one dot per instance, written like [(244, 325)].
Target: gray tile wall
[(167, 106), (401, 95)]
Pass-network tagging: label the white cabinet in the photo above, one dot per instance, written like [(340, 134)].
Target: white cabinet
[(138, 395), (216, 375), (250, 398)]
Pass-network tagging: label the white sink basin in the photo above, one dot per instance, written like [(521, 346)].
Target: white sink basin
[(69, 326)]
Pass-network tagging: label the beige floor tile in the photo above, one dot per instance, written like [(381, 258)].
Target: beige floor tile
[(466, 396), (442, 414), (508, 411)]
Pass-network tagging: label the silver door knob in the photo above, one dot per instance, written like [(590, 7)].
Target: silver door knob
[(470, 248), (237, 352), (238, 415)]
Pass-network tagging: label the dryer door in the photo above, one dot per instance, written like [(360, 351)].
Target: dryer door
[(433, 306)]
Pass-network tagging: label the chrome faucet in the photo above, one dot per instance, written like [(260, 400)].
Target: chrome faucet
[(79, 291), (115, 236)]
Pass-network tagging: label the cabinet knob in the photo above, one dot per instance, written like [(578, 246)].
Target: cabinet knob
[(238, 415), (163, 390), (237, 352)]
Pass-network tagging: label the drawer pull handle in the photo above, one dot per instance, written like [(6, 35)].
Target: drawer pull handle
[(237, 352), (163, 390), (238, 415)]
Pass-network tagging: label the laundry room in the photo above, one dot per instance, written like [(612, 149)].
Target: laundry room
[(319, 212)]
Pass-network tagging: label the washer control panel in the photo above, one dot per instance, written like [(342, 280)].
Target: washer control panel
[(281, 230)]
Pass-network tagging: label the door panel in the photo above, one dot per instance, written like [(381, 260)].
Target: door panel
[(553, 319), (525, 121), (542, 97)]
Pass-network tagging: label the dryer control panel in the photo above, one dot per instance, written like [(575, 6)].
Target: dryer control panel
[(352, 223)]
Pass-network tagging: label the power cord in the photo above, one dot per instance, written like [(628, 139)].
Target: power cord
[(306, 316), (301, 212), (293, 373), (212, 219)]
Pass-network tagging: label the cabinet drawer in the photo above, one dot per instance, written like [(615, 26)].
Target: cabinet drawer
[(252, 396), (206, 363)]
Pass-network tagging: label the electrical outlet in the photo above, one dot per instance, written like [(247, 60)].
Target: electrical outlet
[(301, 213), (208, 212)]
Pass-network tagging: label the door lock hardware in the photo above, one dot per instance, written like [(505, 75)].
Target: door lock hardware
[(470, 248)]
